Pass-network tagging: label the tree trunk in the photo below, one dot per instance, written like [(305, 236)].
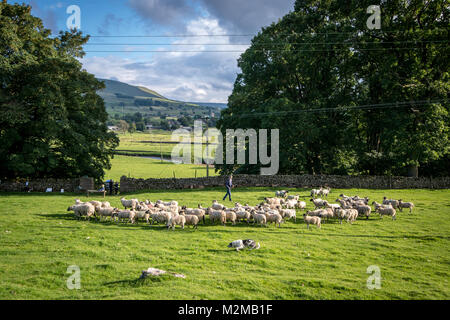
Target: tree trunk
[(413, 171)]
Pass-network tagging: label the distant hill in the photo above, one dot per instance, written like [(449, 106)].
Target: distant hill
[(121, 98)]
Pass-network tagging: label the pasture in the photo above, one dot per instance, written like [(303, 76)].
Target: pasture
[(40, 239)]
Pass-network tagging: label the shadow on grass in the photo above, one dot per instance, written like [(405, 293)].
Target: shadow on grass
[(140, 282)]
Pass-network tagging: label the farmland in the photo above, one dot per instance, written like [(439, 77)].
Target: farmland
[(40, 239)]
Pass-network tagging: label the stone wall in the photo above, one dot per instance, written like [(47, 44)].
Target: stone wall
[(293, 181), (40, 185)]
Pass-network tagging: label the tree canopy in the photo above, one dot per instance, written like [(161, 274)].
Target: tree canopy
[(52, 122), (349, 100)]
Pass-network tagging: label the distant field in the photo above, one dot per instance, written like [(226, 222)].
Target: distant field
[(137, 167), (40, 240)]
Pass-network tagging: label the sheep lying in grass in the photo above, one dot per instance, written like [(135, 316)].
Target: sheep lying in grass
[(129, 203), (191, 220), (311, 220), (387, 212), (82, 210), (218, 215), (402, 205)]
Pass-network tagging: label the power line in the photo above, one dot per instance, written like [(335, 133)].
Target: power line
[(401, 104)]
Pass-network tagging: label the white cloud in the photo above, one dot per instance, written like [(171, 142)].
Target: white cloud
[(194, 76)]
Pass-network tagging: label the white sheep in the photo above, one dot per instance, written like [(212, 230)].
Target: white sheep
[(288, 214), (143, 214), (311, 220), (217, 206), (106, 212), (218, 215), (243, 215), (177, 220), (231, 216), (129, 203), (402, 205), (83, 210), (363, 210), (301, 205), (315, 192), (259, 218), (191, 220), (386, 212), (281, 194), (277, 218), (392, 202), (125, 214), (319, 203), (291, 204)]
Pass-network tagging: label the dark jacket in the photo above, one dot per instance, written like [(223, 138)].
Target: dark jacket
[(228, 183)]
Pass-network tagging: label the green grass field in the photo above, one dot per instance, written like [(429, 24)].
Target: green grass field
[(137, 167), (40, 239)]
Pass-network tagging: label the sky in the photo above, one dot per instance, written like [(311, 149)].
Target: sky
[(130, 26)]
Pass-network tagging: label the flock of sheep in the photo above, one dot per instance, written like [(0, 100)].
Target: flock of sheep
[(276, 210)]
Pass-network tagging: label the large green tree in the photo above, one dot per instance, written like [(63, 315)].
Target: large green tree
[(52, 122), (306, 73)]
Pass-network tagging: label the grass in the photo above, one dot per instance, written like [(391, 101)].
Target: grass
[(40, 239), (137, 167)]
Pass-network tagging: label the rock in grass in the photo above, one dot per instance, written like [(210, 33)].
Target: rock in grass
[(159, 272)]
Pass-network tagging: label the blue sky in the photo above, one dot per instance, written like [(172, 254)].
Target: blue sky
[(189, 76)]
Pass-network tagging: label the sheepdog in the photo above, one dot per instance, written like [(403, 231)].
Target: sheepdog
[(241, 244)]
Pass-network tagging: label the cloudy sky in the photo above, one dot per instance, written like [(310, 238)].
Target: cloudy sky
[(124, 31)]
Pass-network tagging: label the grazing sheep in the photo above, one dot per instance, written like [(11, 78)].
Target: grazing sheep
[(259, 218), (177, 220), (125, 214), (191, 220), (143, 214), (288, 214), (129, 203), (301, 205), (231, 216), (82, 210), (311, 220), (106, 212), (277, 218), (386, 212), (402, 205), (319, 203), (363, 210), (243, 215), (218, 215), (281, 194)]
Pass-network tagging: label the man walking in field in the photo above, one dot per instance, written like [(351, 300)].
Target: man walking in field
[(228, 185)]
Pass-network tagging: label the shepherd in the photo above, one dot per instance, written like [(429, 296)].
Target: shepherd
[(228, 185)]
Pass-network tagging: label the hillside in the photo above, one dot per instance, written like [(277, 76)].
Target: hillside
[(121, 99)]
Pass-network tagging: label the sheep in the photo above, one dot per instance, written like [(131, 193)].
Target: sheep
[(231, 216), (402, 205), (363, 210), (327, 213), (315, 192), (143, 214), (161, 217), (351, 215), (333, 206), (290, 204), (344, 204), (243, 215), (125, 214), (275, 218), (129, 203), (314, 213), (386, 212), (318, 203), (82, 209), (296, 197), (392, 202), (324, 192), (191, 220), (272, 200), (78, 201), (311, 220), (217, 206), (259, 218), (141, 206), (106, 212), (301, 205), (106, 204), (288, 214), (177, 220), (218, 215), (281, 194)]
